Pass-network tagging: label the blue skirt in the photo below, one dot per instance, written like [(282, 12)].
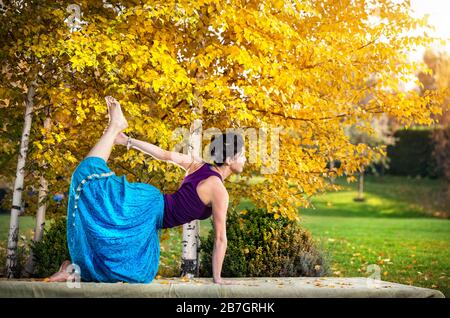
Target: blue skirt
[(112, 225)]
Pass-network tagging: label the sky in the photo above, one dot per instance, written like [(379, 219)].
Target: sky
[(439, 17)]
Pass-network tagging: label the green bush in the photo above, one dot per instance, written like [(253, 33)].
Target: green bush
[(260, 246), (22, 253), (412, 154), (52, 250)]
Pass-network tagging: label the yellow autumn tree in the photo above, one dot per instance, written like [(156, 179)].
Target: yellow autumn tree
[(297, 68), (31, 67)]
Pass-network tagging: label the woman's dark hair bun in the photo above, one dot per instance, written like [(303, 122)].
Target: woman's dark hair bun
[(225, 145)]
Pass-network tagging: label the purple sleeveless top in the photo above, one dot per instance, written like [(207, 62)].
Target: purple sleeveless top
[(185, 205)]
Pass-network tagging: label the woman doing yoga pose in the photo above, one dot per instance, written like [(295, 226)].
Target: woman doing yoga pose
[(112, 224)]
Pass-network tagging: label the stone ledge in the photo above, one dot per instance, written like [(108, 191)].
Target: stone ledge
[(286, 287)]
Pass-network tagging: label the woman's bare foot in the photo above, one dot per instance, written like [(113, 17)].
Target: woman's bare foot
[(62, 275), (121, 139), (116, 117)]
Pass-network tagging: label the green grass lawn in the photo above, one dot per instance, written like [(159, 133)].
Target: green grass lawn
[(26, 226), (393, 229), (26, 230)]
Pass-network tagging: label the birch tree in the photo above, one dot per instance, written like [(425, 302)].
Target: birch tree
[(18, 184), (191, 231), (40, 214)]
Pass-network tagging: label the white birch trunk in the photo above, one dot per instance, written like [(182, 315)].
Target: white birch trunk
[(333, 175), (360, 196), (11, 258), (191, 231), (40, 216), (361, 186)]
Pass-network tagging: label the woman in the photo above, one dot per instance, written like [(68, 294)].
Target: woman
[(112, 224)]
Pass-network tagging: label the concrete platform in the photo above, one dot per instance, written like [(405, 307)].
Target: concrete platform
[(295, 287)]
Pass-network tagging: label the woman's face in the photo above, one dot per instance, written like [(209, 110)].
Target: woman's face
[(237, 165)]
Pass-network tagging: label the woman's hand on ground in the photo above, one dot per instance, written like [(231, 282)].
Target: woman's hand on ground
[(121, 139)]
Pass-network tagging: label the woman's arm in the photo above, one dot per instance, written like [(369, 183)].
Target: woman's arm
[(150, 149), (180, 159), (219, 207)]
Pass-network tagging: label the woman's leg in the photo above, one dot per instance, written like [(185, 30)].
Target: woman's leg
[(117, 123)]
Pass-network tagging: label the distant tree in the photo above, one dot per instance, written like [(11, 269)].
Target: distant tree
[(379, 134), (439, 63)]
